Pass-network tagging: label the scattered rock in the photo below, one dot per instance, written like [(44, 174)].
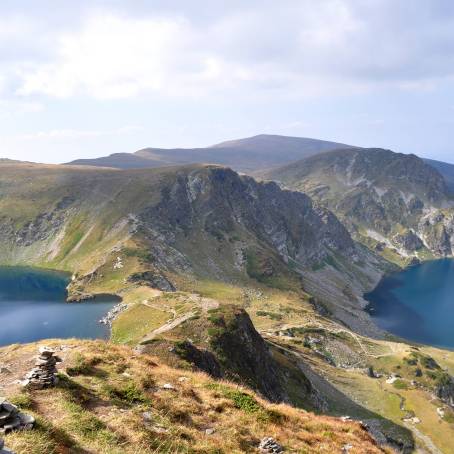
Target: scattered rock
[(168, 386), (346, 448), (4, 450), (159, 429), (346, 418), (113, 314), (44, 374), (4, 370), (270, 445), (441, 412), (147, 416), (12, 419), (392, 379), (118, 265), (413, 420), (210, 431)]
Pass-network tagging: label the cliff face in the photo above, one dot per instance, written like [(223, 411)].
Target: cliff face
[(113, 229), (183, 220), (219, 202), (228, 346), (394, 201)]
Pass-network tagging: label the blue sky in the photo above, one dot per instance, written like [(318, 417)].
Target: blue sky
[(85, 79)]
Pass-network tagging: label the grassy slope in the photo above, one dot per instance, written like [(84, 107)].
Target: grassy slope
[(104, 390), (342, 357)]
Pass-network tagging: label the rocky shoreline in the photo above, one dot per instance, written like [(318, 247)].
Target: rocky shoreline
[(109, 318)]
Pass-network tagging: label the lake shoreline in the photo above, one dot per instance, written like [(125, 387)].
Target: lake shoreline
[(33, 307), (412, 303)]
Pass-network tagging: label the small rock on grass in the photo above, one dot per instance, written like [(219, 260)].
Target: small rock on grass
[(269, 445)]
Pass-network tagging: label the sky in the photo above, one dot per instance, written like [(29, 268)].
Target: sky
[(89, 78)]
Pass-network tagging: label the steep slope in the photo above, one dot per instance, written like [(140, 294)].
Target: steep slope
[(116, 229), (245, 155), (446, 170), (394, 203), (109, 400)]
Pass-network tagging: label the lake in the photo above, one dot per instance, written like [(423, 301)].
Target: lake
[(33, 307), (418, 303)]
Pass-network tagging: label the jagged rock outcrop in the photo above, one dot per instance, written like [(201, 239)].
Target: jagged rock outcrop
[(226, 345), (219, 201), (149, 226), (409, 241), (445, 389), (244, 356), (152, 279), (202, 359), (395, 200), (161, 209)]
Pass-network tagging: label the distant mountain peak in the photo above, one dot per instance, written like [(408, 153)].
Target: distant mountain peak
[(250, 154)]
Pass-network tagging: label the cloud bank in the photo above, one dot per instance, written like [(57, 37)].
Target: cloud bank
[(301, 47)]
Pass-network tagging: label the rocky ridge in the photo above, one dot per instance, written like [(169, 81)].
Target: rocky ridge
[(388, 200)]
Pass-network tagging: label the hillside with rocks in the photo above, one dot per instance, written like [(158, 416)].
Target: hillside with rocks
[(251, 284), (396, 204), (157, 226), (110, 400)]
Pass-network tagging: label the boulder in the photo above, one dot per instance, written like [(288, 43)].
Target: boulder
[(270, 445), (12, 419)]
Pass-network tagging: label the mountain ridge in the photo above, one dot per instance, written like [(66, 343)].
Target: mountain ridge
[(245, 155), (196, 253), (392, 201)]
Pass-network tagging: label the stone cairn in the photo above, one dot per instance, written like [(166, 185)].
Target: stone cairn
[(44, 374), (12, 419)]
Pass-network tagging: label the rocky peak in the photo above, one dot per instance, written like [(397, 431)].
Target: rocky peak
[(377, 192)]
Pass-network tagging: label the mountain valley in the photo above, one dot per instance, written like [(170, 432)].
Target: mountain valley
[(255, 283)]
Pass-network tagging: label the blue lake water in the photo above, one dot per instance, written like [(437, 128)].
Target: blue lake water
[(417, 303), (33, 307)]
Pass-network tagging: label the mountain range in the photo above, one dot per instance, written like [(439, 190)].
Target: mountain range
[(258, 280), (243, 155), (394, 203)]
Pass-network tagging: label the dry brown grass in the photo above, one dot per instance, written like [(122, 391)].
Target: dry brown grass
[(99, 408)]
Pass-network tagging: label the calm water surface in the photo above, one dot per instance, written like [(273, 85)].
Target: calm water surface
[(33, 307), (418, 303)]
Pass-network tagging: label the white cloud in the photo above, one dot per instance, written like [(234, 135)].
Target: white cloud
[(117, 57), (76, 134), (291, 47)]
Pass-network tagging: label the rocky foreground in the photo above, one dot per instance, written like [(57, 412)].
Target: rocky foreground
[(110, 400)]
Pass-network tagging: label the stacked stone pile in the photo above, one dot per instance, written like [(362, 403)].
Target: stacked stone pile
[(12, 419), (44, 374)]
